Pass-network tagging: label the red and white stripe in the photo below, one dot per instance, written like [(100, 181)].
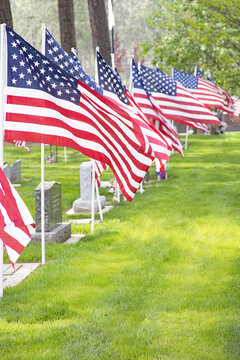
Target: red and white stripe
[(184, 107), (154, 114), (99, 168), (95, 127), (236, 102), (159, 145), (16, 221), (21, 143)]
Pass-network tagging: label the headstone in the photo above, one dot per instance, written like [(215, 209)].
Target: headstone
[(84, 203), (16, 170), (7, 170), (55, 231)]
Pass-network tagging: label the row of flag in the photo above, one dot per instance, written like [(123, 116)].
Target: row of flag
[(50, 99)]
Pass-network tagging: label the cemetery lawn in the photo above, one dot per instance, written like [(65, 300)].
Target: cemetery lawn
[(159, 278)]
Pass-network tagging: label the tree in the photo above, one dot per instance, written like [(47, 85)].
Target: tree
[(67, 28), (201, 32), (99, 27), (5, 13)]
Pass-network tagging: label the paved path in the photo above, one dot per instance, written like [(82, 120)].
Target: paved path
[(13, 276)]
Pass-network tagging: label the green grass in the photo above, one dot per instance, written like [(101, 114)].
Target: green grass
[(159, 279)]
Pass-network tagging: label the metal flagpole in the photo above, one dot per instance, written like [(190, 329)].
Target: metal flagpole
[(93, 195), (42, 171), (186, 137), (99, 202), (3, 83), (97, 190), (111, 24)]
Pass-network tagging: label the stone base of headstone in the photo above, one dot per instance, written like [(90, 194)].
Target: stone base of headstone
[(85, 206), (58, 234)]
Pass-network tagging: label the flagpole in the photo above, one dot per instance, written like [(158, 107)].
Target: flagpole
[(186, 137), (3, 83), (99, 202), (42, 171), (93, 190), (111, 24)]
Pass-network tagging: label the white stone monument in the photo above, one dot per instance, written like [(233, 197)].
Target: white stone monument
[(84, 203)]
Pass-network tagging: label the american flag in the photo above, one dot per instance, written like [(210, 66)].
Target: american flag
[(15, 220), (152, 112), (236, 102), (206, 92), (45, 104), (72, 66), (116, 90), (176, 102), (227, 103)]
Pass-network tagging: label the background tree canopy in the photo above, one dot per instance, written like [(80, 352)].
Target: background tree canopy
[(130, 24), (198, 32)]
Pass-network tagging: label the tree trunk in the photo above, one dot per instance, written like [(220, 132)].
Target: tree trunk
[(67, 28), (5, 13), (99, 27)]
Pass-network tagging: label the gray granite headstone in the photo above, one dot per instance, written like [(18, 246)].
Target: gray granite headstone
[(7, 170), (84, 203), (16, 170), (53, 205), (54, 229)]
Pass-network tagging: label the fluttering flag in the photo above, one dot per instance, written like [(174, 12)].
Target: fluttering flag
[(16, 221), (71, 65), (236, 103), (47, 105), (175, 101), (114, 88), (228, 102), (152, 111), (206, 91)]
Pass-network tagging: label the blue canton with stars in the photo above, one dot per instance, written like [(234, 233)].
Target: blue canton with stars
[(137, 78), (157, 81), (71, 65), (28, 68), (187, 80), (109, 80)]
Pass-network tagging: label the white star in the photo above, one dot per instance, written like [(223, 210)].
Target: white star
[(21, 76), (36, 63), (14, 56), (30, 56), (29, 82), (14, 44), (14, 69), (50, 52), (42, 71), (48, 78), (73, 99), (14, 81), (54, 86), (22, 63), (59, 93)]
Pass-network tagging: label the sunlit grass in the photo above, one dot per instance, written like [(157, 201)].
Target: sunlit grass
[(159, 279)]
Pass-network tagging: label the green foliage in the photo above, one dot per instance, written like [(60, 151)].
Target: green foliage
[(159, 279), (198, 33)]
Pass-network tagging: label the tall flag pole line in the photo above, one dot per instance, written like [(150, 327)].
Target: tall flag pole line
[(3, 83), (42, 171), (111, 24)]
